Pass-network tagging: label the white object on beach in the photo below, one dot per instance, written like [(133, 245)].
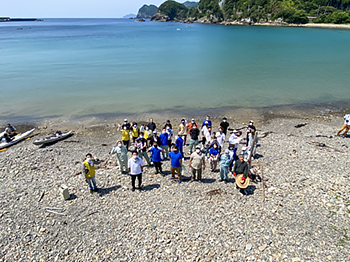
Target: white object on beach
[(52, 138)]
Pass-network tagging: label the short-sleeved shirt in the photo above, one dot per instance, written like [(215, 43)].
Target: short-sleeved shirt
[(175, 159), (156, 154), (213, 151), (220, 138), (135, 166), (179, 142), (164, 139), (197, 160)]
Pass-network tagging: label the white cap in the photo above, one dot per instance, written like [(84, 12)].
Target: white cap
[(125, 120)]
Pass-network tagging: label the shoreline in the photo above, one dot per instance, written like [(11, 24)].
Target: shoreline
[(308, 25), (237, 115)]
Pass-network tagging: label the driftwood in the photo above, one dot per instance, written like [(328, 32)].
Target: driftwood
[(56, 213), (214, 192), (262, 182), (50, 210), (300, 125), (41, 196), (265, 134), (325, 146)]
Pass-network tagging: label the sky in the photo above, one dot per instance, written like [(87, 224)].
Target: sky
[(73, 8)]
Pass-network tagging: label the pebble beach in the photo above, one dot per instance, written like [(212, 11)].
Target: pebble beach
[(305, 215)]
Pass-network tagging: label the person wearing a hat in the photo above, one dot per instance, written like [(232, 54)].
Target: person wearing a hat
[(10, 130), (155, 138), (156, 159), (135, 132), (126, 124), (240, 172), (141, 147), (135, 166), (234, 141), (183, 129), (89, 171), (197, 164), (224, 125), (224, 165), (121, 153), (151, 125)]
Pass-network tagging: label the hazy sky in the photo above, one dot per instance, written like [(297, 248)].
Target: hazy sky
[(72, 8)]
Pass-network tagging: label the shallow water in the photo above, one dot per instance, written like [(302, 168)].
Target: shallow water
[(80, 67)]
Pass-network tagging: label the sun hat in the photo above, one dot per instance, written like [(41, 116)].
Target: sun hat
[(125, 120), (154, 132), (242, 183)]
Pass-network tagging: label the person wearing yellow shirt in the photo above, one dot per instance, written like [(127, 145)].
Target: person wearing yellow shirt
[(89, 171), (135, 132)]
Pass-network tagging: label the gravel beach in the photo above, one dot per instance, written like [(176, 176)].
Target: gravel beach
[(305, 215)]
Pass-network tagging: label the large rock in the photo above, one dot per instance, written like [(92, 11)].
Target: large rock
[(160, 18), (147, 11)]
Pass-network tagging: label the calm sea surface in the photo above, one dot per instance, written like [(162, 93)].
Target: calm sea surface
[(76, 67)]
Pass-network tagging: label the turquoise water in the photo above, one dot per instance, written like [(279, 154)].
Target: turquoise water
[(76, 67)]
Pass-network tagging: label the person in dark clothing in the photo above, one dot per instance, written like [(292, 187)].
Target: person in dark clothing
[(127, 124), (151, 125), (156, 159), (168, 124), (194, 133), (155, 138), (224, 125), (241, 167)]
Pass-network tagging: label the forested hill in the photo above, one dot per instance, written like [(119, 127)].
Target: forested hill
[(262, 11)]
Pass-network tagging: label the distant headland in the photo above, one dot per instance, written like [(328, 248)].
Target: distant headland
[(9, 19)]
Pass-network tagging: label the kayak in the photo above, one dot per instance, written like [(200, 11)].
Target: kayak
[(52, 138), (17, 139)]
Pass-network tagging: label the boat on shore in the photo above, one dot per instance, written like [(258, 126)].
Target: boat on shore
[(16, 139), (53, 138)]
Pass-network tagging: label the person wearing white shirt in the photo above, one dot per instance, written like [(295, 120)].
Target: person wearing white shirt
[(220, 136), (135, 166)]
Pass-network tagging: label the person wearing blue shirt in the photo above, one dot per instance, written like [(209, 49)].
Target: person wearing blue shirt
[(213, 157), (175, 163), (224, 165), (179, 142), (164, 136), (207, 120), (155, 150)]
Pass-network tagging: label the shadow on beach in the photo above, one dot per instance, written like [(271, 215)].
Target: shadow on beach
[(105, 191), (151, 187)]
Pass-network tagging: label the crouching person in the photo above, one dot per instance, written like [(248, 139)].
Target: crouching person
[(240, 172), (89, 171)]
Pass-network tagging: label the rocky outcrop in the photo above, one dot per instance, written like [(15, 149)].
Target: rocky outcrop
[(160, 18), (147, 11)]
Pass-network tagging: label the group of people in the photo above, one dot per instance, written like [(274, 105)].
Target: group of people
[(146, 145)]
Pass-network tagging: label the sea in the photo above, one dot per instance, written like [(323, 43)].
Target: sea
[(111, 67)]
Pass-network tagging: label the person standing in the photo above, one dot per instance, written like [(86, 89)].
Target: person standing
[(179, 142), (135, 165), (151, 125), (155, 138), (168, 124), (141, 146), (220, 136), (135, 132), (170, 135), (148, 135), (224, 125), (249, 129), (207, 120), (194, 133), (213, 157), (125, 136), (224, 165), (345, 126), (192, 124), (121, 153), (197, 164), (183, 129), (205, 131), (126, 124), (89, 171), (164, 143), (251, 144), (156, 159), (175, 163), (208, 140)]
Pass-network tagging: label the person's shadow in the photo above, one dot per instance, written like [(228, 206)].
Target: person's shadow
[(105, 191), (250, 190), (151, 187), (208, 180)]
